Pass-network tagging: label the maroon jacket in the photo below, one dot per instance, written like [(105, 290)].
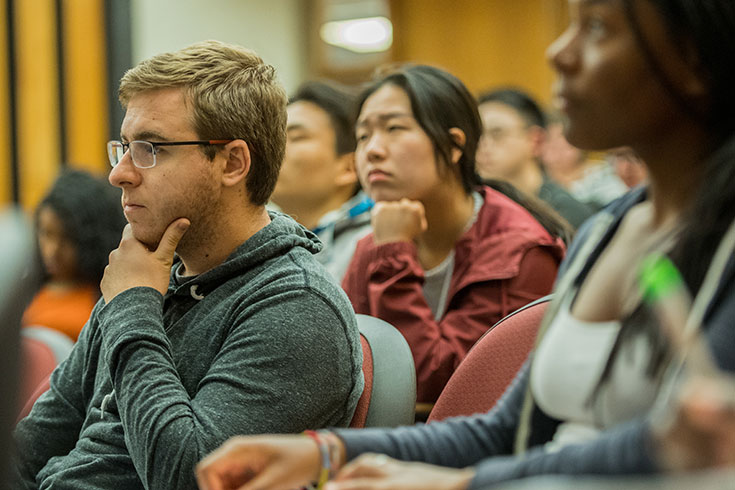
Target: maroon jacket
[(504, 261)]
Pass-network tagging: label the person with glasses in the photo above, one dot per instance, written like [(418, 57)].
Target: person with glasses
[(216, 319), (514, 130)]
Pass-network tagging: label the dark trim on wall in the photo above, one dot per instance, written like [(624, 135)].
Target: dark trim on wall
[(119, 56), (61, 82), (13, 104)]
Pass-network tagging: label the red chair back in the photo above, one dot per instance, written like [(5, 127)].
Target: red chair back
[(361, 412), (489, 367), (42, 388), (37, 362), (42, 349)]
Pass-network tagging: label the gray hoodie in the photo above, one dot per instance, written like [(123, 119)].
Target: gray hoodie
[(266, 342)]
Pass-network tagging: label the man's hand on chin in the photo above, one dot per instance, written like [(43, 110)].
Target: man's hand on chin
[(132, 264)]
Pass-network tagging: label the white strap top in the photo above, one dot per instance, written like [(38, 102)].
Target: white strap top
[(567, 367)]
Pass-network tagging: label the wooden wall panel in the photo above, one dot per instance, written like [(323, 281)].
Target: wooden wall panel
[(53, 55), (486, 43), (37, 123), (6, 175), (85, 84)]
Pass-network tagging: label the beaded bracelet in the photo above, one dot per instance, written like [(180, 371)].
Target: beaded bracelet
[(324, 455), (331, 439)]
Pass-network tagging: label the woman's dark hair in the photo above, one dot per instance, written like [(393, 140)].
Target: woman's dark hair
[(439, 102), (706, 28), (543, 213), (90, 212)]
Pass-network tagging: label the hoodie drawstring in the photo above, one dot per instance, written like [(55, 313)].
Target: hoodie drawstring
[(194, 294), (105, 402)]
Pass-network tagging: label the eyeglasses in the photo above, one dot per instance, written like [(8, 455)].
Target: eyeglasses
[(143, 153), (499, 134)]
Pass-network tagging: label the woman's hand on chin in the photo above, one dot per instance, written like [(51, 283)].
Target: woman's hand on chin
[(398, 221)]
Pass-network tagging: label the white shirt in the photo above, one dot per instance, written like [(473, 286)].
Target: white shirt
[(567, 367)]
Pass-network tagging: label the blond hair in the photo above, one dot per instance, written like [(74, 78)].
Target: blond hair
[(234, 95)]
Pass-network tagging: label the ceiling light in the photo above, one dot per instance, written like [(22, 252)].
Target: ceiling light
[(366, 35)]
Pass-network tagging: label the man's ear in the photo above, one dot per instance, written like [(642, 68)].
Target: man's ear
[(237, 165), (459, 139), (346, 174)]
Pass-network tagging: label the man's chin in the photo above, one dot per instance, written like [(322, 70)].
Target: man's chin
[(149, 239)]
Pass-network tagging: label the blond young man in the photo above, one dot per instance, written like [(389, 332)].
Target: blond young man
[(240, 331)]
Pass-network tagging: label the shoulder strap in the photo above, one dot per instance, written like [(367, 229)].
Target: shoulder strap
[(602, 223)]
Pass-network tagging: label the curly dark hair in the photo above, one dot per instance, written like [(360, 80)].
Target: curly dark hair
[(90, 211)]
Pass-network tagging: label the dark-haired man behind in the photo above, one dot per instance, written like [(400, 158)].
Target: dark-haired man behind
[(510, 148), (318, 183), (241, 332)]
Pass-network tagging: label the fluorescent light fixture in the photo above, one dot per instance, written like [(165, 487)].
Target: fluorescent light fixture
[(366, 35)]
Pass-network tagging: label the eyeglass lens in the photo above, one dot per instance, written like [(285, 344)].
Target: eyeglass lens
[(142, 153)]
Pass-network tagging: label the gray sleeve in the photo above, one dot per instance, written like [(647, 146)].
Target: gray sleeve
[(283, 367), (456, 442), (486, 442), (52, 427), (625, 450)]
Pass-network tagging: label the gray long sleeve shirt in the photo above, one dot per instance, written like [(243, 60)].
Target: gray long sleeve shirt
[(266, 342)]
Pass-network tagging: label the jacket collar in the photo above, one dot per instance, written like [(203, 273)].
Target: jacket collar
[(494, 246)]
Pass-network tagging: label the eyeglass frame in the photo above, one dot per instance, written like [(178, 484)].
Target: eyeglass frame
[(155, 144), (500, 134)]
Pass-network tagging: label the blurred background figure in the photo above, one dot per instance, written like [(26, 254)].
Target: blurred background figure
[(318, 184), (19, 277), (78, 223), (592, 181), (510, 149), (628, 166)]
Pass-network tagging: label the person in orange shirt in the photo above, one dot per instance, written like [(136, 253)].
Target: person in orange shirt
[(78, 224)]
